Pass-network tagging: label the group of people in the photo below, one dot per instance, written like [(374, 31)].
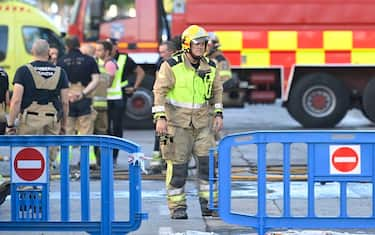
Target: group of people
[(85, 91), (82, 92)]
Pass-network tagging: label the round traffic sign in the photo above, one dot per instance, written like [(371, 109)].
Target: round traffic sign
[(29, 164), (345, 159)]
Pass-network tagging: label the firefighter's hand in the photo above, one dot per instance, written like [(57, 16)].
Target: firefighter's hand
[(218, 124), (161, 126), (11, 130)]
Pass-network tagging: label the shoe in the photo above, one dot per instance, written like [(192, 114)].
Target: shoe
[(205, 211), (155, 170), (179, 213)]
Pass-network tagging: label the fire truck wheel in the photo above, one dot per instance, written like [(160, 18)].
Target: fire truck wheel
[(368, 100), (138, 113), (318, 100)]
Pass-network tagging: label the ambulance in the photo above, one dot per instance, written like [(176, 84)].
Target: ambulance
[(20, 25)]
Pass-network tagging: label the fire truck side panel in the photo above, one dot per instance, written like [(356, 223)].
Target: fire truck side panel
[(329, 44)]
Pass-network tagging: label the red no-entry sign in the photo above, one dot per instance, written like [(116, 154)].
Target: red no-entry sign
[(29, 165), (345, 159)]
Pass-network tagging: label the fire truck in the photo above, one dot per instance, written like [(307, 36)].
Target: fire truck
[(316, 56)]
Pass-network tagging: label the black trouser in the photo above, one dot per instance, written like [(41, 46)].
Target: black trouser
[(2, 128), (115, 120), (157, 142)]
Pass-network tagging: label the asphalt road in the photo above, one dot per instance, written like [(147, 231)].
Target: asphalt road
[(249, 118)]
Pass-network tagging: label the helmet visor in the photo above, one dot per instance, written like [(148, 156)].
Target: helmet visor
[(198, 41)]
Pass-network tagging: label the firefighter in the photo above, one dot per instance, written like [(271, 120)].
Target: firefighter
[(83, 75), (120, 90), (185, 84), (108, 69), (40, 96), (222, 65), (215, 54), (166, 50)]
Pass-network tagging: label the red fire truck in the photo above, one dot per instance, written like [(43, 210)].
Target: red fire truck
[(316, 56)]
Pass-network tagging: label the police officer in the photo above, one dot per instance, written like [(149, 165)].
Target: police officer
[(83, 75), (120, 90), (166, 50), (40, 96), (4, 98), (185, 84)]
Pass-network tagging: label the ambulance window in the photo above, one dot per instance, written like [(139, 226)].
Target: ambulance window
[(3, 42), (30, 34)]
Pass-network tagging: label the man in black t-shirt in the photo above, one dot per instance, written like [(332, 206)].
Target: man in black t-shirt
[(83, 75), (40, 96), (4, 98)]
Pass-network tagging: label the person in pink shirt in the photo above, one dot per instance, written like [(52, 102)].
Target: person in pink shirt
[(108, 68)]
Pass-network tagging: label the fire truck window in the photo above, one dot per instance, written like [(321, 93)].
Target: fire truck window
[(123, 9), (3, 42), (30, 34)]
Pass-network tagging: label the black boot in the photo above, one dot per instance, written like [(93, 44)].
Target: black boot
[(205, 210), (179, 213)]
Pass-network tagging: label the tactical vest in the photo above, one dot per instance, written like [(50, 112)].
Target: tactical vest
[(100, 92), (192, 88), (45, 93), (115, 92), (2, 112)]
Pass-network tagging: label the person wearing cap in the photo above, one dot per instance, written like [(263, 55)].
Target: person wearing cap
[(185, 84), (119, 91)]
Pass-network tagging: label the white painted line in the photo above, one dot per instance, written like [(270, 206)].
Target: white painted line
[(29, 164), (165, 231), (345, 159)]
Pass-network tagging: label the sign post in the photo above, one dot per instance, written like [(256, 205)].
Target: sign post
[(29, 183)]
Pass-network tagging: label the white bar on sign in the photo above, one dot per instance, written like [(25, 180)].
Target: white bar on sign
[(345, 159), (29, 164)]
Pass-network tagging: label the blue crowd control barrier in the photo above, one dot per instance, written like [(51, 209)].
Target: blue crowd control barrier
[(332, 156), (29, 200)]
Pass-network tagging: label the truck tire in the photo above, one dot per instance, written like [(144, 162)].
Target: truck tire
[(368, 100), (318, 101), (138, 113)]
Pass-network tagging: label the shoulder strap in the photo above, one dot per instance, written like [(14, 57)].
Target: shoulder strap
[(174, 60)]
